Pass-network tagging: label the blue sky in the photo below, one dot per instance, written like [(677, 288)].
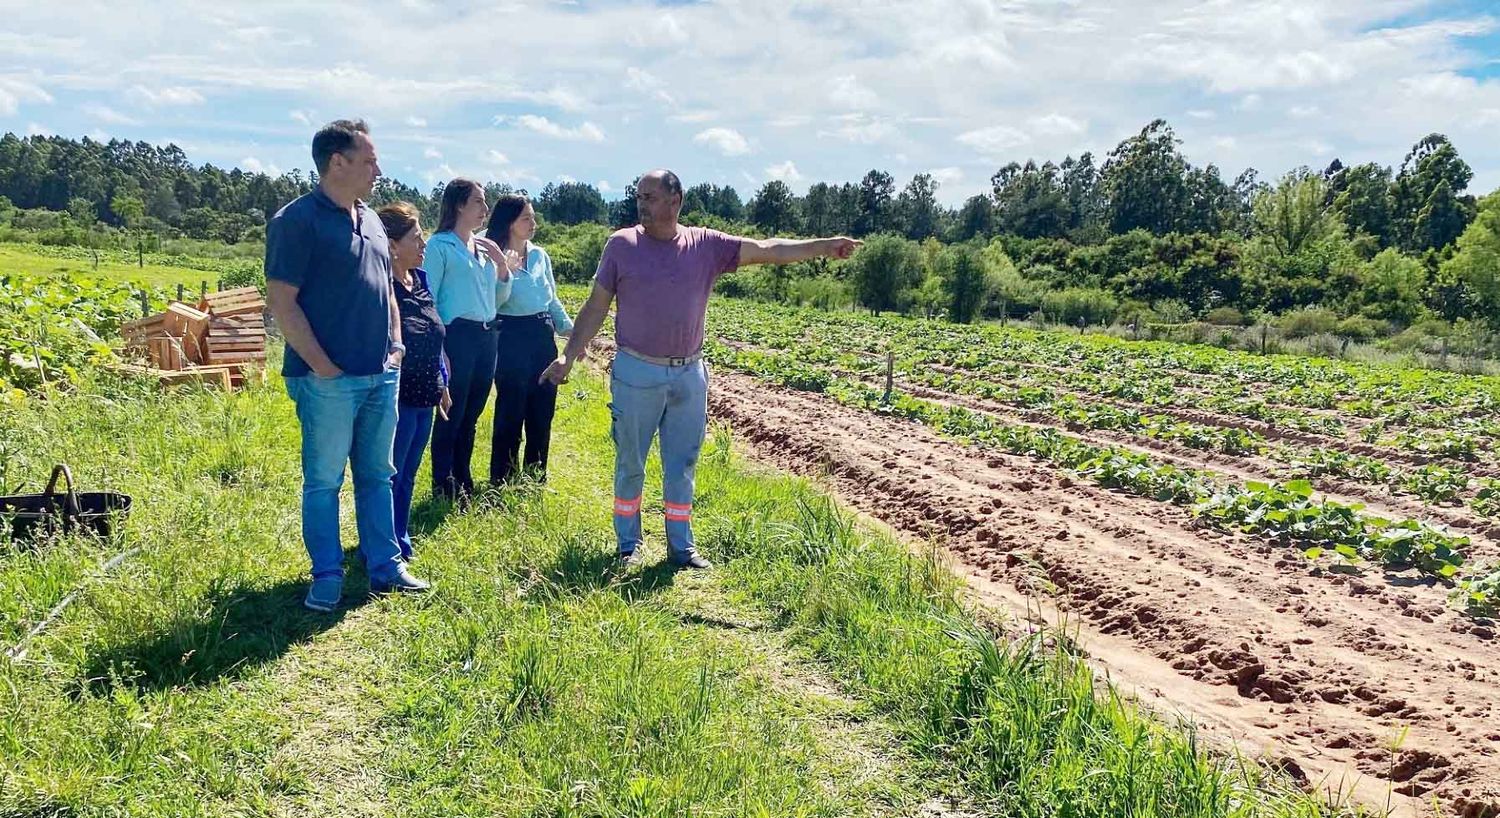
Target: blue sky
[(740, 92)]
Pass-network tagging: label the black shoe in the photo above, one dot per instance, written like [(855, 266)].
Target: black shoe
[(690, 561), (629, 558)]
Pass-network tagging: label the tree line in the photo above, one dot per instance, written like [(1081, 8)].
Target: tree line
[(1142, 230)]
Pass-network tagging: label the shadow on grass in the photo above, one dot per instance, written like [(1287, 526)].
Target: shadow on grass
[(428, 514), (236, 629), (582, 567)]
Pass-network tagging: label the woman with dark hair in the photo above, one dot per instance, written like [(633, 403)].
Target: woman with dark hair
[(528, 320), (424, 372), (468, 274)]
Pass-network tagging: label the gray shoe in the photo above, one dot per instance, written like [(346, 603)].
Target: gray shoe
[(401, 582), (323, 595), (629, 558), (689, 560)]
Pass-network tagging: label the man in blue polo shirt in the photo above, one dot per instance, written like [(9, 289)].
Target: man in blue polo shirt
[(328, 284)]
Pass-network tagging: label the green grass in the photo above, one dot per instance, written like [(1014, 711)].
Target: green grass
[(114, 265), (821, 670)]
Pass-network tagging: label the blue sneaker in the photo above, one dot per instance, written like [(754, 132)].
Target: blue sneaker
[(323, 595), (401, 582)]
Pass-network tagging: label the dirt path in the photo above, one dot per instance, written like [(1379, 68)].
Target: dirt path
[(1323, 670)]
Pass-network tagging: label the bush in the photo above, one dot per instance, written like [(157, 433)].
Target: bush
[(1362, 329), (1225, 317), (1308, 321), (1171, 311), (1423, 336), (823, 292), (1080, 305)]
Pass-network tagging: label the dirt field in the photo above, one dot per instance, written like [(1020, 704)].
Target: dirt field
[(1358, 682)]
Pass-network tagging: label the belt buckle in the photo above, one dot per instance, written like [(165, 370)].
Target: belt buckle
[(677, 362)]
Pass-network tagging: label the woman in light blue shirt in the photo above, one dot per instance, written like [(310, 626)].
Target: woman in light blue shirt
[(529, 315), (467, 274)]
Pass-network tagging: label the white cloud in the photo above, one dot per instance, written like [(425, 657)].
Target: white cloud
[(860, 129), (37, 129), (13, 92), (725, 140), (786, 172), (495, 157), (994, 141), (163, 97), (250, 164), (587, 132), (416, 122), (848, 92), (431, 152), (638, 79), (1055, 124), (557, 97), (106, 114), (947, 176), (1008, 80), (1302, 111)]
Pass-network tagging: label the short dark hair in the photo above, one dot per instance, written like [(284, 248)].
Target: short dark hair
[(455, 195), (507, 209), (337, 136)]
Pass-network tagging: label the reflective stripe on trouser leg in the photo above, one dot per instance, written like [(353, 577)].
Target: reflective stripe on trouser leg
[(683, 427), (638, 393)]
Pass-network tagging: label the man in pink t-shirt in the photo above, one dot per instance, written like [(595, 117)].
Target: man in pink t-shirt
[(661, 274)]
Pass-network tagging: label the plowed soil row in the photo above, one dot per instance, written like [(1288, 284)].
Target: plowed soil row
[(1320, 671)]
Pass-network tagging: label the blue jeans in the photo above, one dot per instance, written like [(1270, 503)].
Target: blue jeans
[(413, 426), (647, 399), (349, 419)]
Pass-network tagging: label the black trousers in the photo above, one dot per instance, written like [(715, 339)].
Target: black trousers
[(471, 360), (526, 345)]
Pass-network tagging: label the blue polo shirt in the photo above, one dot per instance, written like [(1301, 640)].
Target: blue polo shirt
[(342, 269)]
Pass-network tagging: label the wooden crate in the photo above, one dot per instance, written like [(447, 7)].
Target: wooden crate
[(237, 302), (165, 352)]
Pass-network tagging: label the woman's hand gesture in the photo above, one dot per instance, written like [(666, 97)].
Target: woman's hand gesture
[(506, 261)]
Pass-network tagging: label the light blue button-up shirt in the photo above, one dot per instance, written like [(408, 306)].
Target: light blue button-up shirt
[(533, 290), (462, 285)]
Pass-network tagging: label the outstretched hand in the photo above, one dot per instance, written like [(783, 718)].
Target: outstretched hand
[(842, 247)]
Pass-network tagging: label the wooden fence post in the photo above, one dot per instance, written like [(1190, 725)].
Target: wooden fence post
[(179, 291), (145, 304), (890, 374), (203, 290)]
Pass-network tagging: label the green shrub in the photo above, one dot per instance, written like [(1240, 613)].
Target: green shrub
[(1225, 317), (1360, 328), (1308, 321), (1080, 304)]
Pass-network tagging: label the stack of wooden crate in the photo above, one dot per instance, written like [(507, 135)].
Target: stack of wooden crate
[(220, 340)]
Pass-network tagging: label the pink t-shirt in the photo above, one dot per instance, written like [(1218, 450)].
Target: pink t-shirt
[(662, 287)]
